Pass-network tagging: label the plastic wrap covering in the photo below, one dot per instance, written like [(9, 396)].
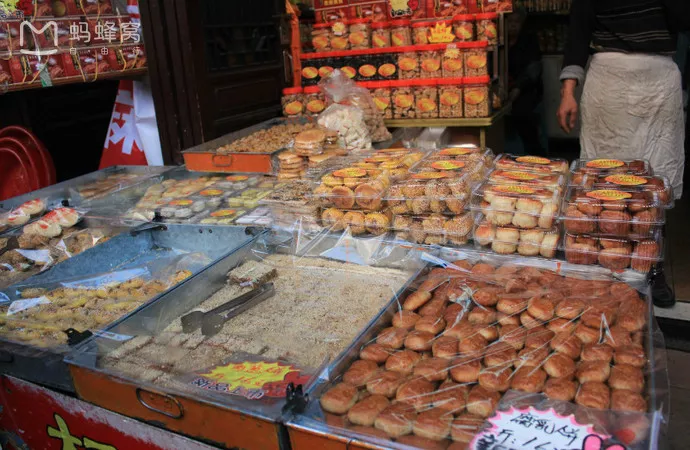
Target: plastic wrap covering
[(290, 204), (536, 179), (274, 312), (484, 333), (522, 206), (353, 188), (439, 191), (651, 189), (531, 164), (472, 156), (509, 239), (582, 167)]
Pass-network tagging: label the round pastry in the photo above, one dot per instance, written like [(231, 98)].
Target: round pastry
[(434, 308), (16, 218), (405, 319), (377, 223), (568, 344), (513, 335), (627, 377), (482, 269), (360, 372), (570, 308), (531, 357), (499, 354), (547, 215), (506, 240), (631, 355), (472, 345), (342, 197), (385, 383), (504, 319), (355, 221), (615, 258), (376, 353), (522, 220), (485, 233), (460, 330), (486, 296), (365, 411), (540, 308), (561, 325), (481, 401), (561, 389), (511, 306), (465, 427), (432, 369), (559, 366), (614, 223), (445, 347), (44, 228), (416, 392), (403, 361), (430, 324), (65, 217), (538, 337), (624, 400), (33, 207), (581, 254), (614, 205), (589, 206), (528, 321), (646, 253), (597, 352), (419, 340), (416, 299), (433, 424), (614, 243), (578, 222), (587, 335), (453, 313), (528, 379), (593, 371), (597, 316), (333, 218), (530, 242), (593, 395), (528, 206), (415, 441), (450, 397), (396, 420), (339, 399), (482, 316), (643, 222), (392, 337), (495, 378), (489, 332), (465, 370)]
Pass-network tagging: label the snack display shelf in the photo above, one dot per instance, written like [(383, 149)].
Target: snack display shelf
[(460, 122), (315, 428), (148, 252), (209, 414), (70, 190), (116, 75)]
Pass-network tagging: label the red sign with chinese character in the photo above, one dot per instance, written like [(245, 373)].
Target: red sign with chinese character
[(331, 10), (43, 419)]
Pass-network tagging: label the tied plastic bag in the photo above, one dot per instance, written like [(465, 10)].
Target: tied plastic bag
[(340, 89)]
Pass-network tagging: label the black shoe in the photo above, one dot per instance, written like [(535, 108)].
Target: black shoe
[(662, 293)]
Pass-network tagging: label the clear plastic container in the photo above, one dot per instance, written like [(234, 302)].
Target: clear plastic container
[(463, 27), (321, 37), (614, 253), (457, 158), (506, 240), (420, 32), (441, 192), (353, 188), (340, 36), (434, 229), (402, 100), (381, 94), (520, 206), (380, 35), (656, 189), (612, 212), (450, 103), (581, 167), (400, 33), (529, 163), (396, 162), (408, 63), (452, 62), (476, 97), (426, 98), (430, 60), (314, 101), (487, 30), (292, 102), (476, 59), (358, 223), (549, 180), (360, 34)]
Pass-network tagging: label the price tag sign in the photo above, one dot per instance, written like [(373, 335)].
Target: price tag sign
[(531, 429)]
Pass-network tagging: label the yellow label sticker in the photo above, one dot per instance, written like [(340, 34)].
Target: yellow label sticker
[(533, 160), (181, 202), (513, 190), (604, 163), (609, 194), (448, 165), (223, 213), (210, 192), (237, 178), (457, 151), (429, 175), (350, 172), (250, 379), (626, 180), (518, 176)]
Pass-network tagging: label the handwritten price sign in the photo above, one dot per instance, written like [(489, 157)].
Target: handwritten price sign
[(531, 429)]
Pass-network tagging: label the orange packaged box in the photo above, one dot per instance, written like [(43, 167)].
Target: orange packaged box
[(426, 98), (476, 59), (430, 60), (450, 98), (476, 96)]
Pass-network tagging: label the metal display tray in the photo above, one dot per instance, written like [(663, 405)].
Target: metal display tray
[(91, 381), (67, 190), (141, 245)]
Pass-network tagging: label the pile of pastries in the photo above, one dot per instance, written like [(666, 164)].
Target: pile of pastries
[(266, 141), (529, 163), (469, 333), (604, 167), (434, 229), (23, 213)]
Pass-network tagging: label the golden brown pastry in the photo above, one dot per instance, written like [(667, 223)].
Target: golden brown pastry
[(504, 319), (500, 354), (433, 424), (644, 256), (385, 383), (450, 397), (419, 340), (482, 402), (360, 372), (396, 420), (617, 337), (392, 337), (460, 330), (587, 335), (626, 377), (342, 197), (375, 352), (482, 316), (405, 319), (333, 218), (445, 347), (511, 306), (593, 395), (339, 399), (570, 308), (528, 379), (631, 355), (377, 223), (416, 300), (559, 366), (531, 357), (539, 337), (561, 389), (472, 345), (416, 392), (577, 221), (529, 321), (403, 361), (496, 378), (568, 344), (597, 352), (435, 307), (615, 258), (623, 400), (614, 223), (513, 335), (430, 324), (432, 369), (355, 220), (365, 411), (465, 427), (486, 296), (593, 371), (465, 370)]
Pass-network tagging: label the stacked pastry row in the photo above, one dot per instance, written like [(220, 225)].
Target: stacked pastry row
[(465, 337)]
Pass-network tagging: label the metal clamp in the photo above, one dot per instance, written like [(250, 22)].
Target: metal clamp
[(168, 401), (213, 160), (295, 399), (75, 337)]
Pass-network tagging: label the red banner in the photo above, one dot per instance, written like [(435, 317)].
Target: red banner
[(38, 418)]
